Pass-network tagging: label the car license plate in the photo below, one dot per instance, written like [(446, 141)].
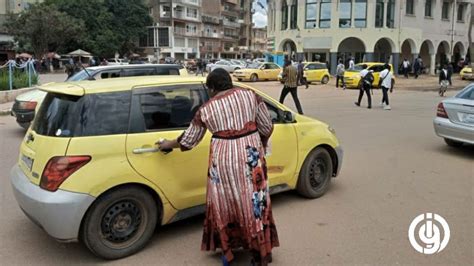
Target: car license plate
[(27, 161), (466, 118)]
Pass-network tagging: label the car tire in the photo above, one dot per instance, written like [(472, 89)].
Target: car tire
[(453, 143), (24, 125), (325, 80), (254, 78), (109, 229), (315, 175)]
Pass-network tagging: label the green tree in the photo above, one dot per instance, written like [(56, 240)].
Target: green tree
[(43, 28), (99, 37), (130, 19)]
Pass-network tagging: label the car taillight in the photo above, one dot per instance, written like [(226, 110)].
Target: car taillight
[(59, 169), (27, 105), (441, 112)]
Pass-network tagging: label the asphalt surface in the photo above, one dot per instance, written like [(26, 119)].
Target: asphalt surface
[(394, 169)]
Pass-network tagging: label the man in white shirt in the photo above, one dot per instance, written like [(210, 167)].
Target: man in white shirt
[(340, 74), (365, 86), (386, 84), (406, 67), (351, 63)]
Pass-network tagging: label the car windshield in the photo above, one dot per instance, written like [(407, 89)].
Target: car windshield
[(81, 75), (467, 94), (255, 66)]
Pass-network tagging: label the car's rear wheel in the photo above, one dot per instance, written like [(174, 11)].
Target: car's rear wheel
[(325, 80), (254, 78), (120, 223), (315, 175), (453, 143)]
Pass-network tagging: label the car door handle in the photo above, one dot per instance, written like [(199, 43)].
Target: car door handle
[(146, 150)]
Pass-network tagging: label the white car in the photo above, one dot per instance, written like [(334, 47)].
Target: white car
[(227, 65), (117, 61), (455, 118)]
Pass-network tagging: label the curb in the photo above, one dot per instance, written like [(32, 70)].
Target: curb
[(5, 112)]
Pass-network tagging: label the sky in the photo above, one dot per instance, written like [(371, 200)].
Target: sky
[(260, 17)]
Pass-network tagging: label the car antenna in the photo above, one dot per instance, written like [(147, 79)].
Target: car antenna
[(87, 72)]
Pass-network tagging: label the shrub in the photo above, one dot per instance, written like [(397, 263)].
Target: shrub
[(20, 79)]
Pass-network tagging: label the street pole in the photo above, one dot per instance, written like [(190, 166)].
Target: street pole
[(453, 27)]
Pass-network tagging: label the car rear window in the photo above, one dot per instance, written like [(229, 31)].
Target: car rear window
[(467, 94), (90, 115)]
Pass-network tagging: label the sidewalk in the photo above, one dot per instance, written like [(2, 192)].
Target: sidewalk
[(427, 83), (5, 108)]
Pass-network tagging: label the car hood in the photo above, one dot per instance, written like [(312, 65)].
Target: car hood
[(247, 70), (466, 70), (33, 95)]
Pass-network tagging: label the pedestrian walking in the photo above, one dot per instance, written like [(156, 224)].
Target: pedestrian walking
[(290, 76), (406, 67), (351, 63), (443, 80), (199, 68), (450, 73), (417, 66), (340, 75), (366, 86), (238, 211), (386, 85), (301, 79)]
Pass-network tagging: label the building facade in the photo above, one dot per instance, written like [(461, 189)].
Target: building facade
[(188, 29), (259, 42), (370, 30)]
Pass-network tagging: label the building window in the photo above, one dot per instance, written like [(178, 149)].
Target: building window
[(360, 16), (325, 14), (179, 42), (191, 12), (311, 13), (391, 14), (428, 8), (410, 7), (379, 10), (445, 12), (461, 13), (163, 37), (294, 17), (345, 13), (284, 16)]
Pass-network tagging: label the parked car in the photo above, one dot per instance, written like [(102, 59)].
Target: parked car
[(89, 168), (224, 64), (262, 71), (454, 119), (353, 80), (313, 72), (466, 73), (259, 60), (26, 103), (117, 61)]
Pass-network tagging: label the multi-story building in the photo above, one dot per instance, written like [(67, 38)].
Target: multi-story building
[(6, 41), (186, 29), (259, 42), (370, 30)]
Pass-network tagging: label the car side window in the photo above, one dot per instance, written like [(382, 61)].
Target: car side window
[(138, 72), (165, 108), (376, 68), (107, 74), (311, 67)]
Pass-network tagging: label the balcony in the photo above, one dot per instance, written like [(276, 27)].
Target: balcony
[(166, 14), (210, 49), (188, 2), (210, 19), (211, 35), (182, 15), (231, 36), (232, 24), (184, 32)]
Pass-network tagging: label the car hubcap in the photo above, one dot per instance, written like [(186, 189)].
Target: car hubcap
[(121, 222), (317, 173)]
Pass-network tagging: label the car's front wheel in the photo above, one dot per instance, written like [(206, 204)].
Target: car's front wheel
[(325, 80), (453, 143), (315, 175), (120, 223), (254, 78)]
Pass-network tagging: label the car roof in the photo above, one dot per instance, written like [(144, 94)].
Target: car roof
[(112, 67), (80, 88)]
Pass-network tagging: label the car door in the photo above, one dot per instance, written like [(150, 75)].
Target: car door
[(275, 71), (310, 70), (165, 112), (320, 69)]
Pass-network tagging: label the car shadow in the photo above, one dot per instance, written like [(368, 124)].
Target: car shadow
[(465, 151)]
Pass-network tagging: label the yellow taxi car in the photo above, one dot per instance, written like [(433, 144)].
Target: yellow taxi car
[(352, 77), (466, 73), (260, 71), (89, 167), (313, 72)]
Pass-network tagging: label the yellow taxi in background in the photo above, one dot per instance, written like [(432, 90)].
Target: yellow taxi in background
[(353, 79), (258, 71), (89, 167), (313, 72), (466, 73)]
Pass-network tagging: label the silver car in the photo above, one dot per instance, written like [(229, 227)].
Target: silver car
[(455, 118), (227, 65)]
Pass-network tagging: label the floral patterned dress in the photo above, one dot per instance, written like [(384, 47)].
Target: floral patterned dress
[(238, 212)]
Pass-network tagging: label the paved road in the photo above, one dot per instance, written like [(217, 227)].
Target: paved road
[(395, 168)]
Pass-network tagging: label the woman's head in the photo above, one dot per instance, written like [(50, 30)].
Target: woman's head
[(219, 80)]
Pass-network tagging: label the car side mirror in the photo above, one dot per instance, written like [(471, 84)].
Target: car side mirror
[(288, 117)]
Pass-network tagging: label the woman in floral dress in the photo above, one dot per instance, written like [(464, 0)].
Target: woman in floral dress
[(238, 212)]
